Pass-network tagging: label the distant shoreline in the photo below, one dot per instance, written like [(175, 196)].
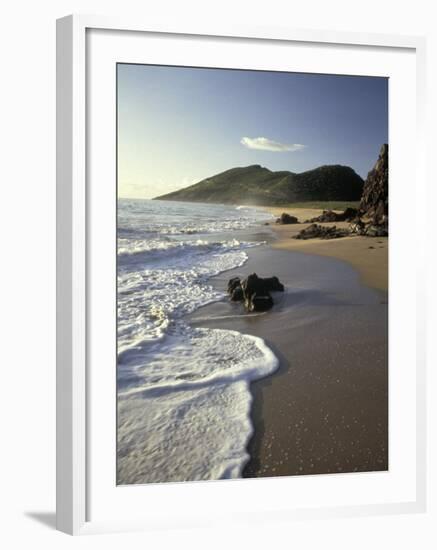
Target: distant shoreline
[(369, 256)]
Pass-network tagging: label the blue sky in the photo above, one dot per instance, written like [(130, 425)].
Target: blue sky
[(178, 125)]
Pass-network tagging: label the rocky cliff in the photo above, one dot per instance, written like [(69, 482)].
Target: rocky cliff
[(374, 201)]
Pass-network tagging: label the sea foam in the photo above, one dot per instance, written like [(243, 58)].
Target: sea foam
[(183, 393), (191, 421)]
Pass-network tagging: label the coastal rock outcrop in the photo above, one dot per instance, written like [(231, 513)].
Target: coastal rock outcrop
[(370, 220), (316, 231), (376, 230), (374, 201), (357, 226), (330, 216), (254, 291), (286, 219), (369, 229)]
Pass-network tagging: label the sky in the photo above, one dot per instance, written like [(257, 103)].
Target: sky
[(179, 125)]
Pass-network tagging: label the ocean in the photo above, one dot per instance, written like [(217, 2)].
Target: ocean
[(183, 410)]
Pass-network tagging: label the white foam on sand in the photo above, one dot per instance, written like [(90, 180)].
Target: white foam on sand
[(191, 422), (183, 393)]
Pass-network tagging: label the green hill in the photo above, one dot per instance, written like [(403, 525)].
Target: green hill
[(260, 186)]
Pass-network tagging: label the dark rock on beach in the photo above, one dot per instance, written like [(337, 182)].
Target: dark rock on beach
[(237, 295), (233, 283), (256, 294), (357, 226), (369, 229), (315, 231), (258, 303), (254, 291), (330, 216), (272, 284), (234, 290), (370, 220), (376, 230), (325, 216), (286, 219), (349, 214), (257, 285)]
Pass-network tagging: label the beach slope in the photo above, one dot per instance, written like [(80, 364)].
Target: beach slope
[(326, 408)]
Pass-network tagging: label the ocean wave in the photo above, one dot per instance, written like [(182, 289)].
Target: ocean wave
[(130, 247), (183, 392), (198, 411), (149, 299)]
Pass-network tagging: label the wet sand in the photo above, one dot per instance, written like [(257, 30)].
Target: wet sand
[(326, 408), (369, 256)]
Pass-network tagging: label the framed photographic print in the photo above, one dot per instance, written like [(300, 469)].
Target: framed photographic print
[(240, 334)]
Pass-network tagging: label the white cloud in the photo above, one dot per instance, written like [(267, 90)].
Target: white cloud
[(265, 144)]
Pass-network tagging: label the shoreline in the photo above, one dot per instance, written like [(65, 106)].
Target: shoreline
[(368, 255), (324, 410)]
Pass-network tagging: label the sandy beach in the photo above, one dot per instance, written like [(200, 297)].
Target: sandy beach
[(325, 409), (368, 256)]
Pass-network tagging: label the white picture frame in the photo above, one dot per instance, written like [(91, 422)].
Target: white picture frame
[(73, 211)]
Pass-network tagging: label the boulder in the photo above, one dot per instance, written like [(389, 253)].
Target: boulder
[(315, 231), (286, 219), (255, 291), (234, 290), (258, 303), (373, 230), (357, 226), (233, 284), (253, 285), (369, 229), (272, 284), (237, 295), (325, 216), (331, 216), (349, 214)]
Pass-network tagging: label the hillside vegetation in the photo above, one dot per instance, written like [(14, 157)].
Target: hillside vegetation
[(260, 186)]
